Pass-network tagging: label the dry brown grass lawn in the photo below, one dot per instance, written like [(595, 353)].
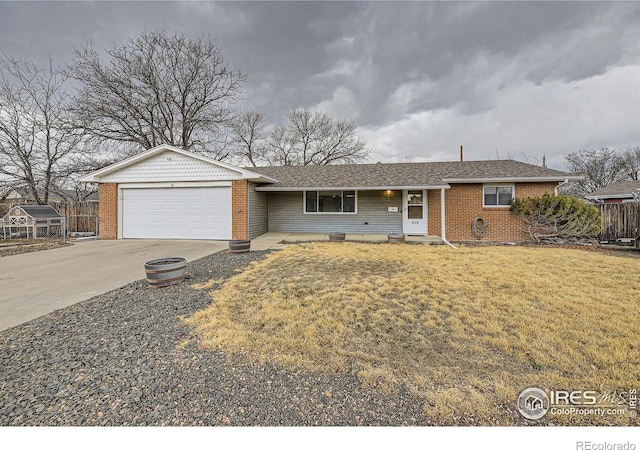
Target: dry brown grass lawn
[(466, 329)]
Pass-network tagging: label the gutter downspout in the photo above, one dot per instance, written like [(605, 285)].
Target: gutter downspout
[(249, 209), (556, 189), (443, 230)]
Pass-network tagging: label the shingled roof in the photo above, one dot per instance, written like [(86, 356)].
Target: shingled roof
[(623, 189), (38, 211), (406, 175)]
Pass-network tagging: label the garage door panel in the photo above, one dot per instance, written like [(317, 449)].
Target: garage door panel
[(177, 213)]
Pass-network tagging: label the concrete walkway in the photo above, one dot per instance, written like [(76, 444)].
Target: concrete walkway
[(274, 239), (35, 284)]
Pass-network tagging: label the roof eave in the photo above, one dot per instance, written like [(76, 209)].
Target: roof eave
[(558, 178), (604, 196), (261, 178), (347, 188)]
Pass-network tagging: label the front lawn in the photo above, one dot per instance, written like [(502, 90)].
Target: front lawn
[(467, 330)]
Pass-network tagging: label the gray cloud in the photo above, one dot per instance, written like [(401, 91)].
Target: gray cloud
[(459, 47), (437, 66)]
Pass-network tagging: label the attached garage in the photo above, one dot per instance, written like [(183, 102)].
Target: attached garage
[(176, 213), (170, 193)]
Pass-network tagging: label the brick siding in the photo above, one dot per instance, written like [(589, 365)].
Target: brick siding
[(108, 210), (433, 212), (463, 203), (240, 209)]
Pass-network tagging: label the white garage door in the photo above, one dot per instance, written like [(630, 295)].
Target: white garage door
[(177, 213)]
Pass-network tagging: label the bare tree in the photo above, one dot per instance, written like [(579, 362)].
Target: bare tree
[(631, 162), (523, 157), (248, 138), (37, 135), (158, 89), (76, 166), (281, 148), (600, 168), (313, 138)]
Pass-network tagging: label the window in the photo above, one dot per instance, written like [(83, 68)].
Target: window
[(336, 202), (498, 195), (415, 204)]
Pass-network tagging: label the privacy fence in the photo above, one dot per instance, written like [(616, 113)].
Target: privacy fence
[(620, 222), (81, 217)]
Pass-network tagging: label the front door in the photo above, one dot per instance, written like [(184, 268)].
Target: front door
[(414, 212)]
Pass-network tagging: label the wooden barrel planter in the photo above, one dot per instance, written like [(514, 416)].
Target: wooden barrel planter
[(239, 246), (165, 271), (337, 237), (395, 238)]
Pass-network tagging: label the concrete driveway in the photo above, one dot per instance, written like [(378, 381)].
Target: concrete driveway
[(35, 284)]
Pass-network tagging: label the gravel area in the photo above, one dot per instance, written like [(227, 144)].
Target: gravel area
[(125, 358)]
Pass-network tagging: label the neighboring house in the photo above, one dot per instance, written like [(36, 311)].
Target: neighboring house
[(24, 195), (623, 192), (169, 193), (8, 194)]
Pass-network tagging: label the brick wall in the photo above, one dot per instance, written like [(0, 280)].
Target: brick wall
[(108, 210), (433, 212), (240, 209), (463, 203)]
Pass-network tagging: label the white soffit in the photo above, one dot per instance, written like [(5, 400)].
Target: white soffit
[(170, 166)]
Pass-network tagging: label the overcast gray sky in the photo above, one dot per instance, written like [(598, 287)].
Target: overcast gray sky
[(418, 78)]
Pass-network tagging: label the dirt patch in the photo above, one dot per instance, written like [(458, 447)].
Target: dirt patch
[(27, 246)]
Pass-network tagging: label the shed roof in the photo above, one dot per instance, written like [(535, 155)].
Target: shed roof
[(38, 211), (617, 190), (407, 175)]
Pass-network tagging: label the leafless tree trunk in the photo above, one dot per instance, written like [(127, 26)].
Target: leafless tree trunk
[(280, 148), (521, 156), (315, 139), (248, 138), (631, 162), (158, 89), (37, 135), (600, 168)]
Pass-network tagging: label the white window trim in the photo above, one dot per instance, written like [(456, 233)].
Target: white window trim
[(513, 194), (304, 203)]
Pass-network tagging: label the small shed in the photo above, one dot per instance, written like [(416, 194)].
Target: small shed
[(32, 221)]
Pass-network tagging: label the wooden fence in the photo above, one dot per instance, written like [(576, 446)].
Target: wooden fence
[(620, 221), (81, 216)]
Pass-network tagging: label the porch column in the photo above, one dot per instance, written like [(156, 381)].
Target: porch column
[(443, 230), (108, 211)]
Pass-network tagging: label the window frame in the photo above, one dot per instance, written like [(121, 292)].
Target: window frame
[(498, 185), (342, 212)]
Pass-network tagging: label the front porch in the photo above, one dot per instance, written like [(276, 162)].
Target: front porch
[(364, 212), (273, 239)]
